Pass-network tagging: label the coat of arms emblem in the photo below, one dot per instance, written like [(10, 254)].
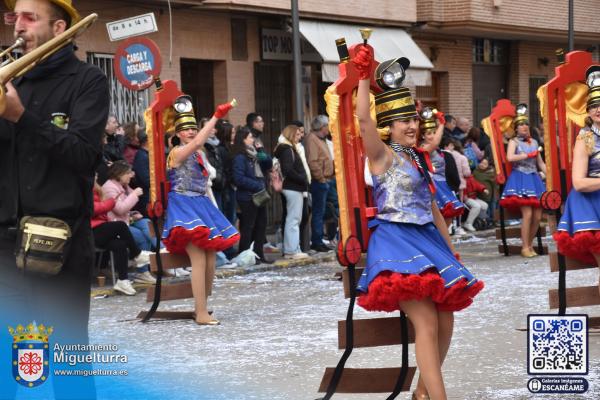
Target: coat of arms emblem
[(30, 354)]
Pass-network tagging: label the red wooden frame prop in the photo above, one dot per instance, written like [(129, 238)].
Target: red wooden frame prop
[(495, 125), (164, 97), (355, 200), (561, 125)]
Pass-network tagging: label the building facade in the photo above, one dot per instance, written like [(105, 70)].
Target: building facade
[(465, 54), (486, 50)]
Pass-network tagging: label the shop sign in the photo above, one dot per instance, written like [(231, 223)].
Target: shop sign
[(129, 27), (277, 44), (137, 62)]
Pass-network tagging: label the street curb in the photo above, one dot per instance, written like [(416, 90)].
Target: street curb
[(231, 272)]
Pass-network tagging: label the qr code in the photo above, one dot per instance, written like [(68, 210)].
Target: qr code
[(557, 344)]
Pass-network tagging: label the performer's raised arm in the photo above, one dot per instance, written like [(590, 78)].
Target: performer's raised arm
[(180, 154), (379, 157)]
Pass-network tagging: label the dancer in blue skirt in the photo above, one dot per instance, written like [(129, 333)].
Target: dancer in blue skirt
[(410, 261), (194, 225), (578, 233), (524, 186), (431, 130)]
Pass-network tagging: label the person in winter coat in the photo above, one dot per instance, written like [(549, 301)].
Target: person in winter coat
[(295, 184), (114, 236), (141, 167), (226, 134), (117, 187), (462, 163), (475, 204), (486, 174), (249, 179)]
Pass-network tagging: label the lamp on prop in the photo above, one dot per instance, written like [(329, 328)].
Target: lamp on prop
[(521, 117), (428, 120), (593, 81), (390, 74)]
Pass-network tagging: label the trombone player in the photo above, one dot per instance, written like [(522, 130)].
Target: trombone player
[(50, 145)]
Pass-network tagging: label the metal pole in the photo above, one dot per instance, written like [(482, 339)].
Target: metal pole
[(297, 61), (571, 45)]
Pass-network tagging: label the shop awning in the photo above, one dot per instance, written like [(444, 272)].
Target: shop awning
[(388, 43)]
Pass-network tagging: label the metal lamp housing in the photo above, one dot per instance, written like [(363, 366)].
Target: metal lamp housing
[(427, 113), (593, 79), (183, 104), (522, 109), (393, 76)]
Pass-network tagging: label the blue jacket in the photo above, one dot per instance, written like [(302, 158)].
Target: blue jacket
[(245, 178), (141, 167)]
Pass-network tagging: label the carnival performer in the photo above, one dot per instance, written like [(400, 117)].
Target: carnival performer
[(578, 232), (430, 137), (411, 264), (524, 186), (194, 225)]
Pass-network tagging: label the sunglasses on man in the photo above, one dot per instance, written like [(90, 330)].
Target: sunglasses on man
[(27, 17)]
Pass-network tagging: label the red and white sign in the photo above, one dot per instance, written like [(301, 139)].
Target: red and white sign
[(137, 62)]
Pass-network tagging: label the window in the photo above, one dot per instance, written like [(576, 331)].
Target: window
[(127, 105), (239, 42), (487, 51)]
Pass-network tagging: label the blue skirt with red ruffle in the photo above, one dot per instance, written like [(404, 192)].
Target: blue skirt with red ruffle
[(413, 262), (578, 233), (197, 220), (522, 190), (447, 201)]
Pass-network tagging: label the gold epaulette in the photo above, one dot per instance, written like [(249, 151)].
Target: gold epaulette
[(588, 139)]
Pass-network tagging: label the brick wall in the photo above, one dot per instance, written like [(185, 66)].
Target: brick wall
[(548, 15), (392, 11), (525, 62), (198, 35), (454, 58)]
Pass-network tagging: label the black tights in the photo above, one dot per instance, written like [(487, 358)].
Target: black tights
[(116, 237)]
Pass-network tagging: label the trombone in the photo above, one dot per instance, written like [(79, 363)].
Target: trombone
[(13, 68)]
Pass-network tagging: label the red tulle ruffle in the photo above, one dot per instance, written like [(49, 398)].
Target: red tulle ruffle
[(450, 212), (580, 246), (179, 238), (388, 289), (515, 202)]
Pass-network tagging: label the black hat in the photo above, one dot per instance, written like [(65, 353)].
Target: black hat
[(592, 79), (394, 104)]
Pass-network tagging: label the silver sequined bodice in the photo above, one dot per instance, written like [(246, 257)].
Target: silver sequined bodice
[(439, 165), (402, 194), (528, 165), (188, 178)]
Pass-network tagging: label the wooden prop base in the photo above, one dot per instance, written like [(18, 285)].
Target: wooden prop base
[(371, 332), (576, 297), (170, 291), (368, 380), (514, 249), (571, 264), (514, 232)]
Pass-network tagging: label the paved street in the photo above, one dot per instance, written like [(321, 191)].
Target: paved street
[(279, 332)]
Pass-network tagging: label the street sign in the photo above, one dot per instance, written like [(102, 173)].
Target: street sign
[(137, 62), (129, 27)]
